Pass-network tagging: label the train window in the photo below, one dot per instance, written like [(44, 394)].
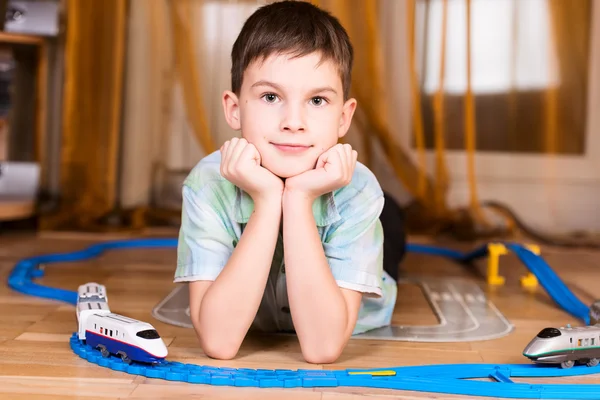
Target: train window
[(111, 332), (579, 343), (548, 333), (571, 340), (148, 334), (585, 341), (592, 339)]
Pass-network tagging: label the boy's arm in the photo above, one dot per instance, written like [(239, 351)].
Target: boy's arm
[(324, 314), (222, 311)]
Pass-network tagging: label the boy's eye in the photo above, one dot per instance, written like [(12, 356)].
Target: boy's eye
[(270, 97), (318, 101)]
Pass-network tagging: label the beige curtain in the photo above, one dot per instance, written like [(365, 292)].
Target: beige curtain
[(91, 113), (392, 44)]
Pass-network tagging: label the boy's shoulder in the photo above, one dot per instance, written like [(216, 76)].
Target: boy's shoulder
[(363, 186), (206, 172)]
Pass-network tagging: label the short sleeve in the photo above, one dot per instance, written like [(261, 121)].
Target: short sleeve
[(204, 244), (354, 248)]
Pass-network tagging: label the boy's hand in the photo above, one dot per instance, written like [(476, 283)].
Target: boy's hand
[(240, 165), (334, 170)]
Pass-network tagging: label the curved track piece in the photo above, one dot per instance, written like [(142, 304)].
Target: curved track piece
[(25, 270), (555, 287), (450, 378), (20, 278)]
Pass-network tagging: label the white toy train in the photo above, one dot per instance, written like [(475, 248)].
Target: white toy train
[(565, 346), (111, 333)]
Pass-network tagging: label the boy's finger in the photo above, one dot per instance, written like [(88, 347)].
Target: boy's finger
[(346, 160), (255, 153), (224, 147), (249, 154), (348, 150), (322, 160), (336, 159), (341, 152), (231, 149), (237, 151), (225, 152), (230, 145)]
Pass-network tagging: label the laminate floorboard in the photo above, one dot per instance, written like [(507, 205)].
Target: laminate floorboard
[(36, 361)]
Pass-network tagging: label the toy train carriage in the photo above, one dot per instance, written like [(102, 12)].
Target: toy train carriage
[(85, 310), (91, 291), (565, 346), (128, 338)]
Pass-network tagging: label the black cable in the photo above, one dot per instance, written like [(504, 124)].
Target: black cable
[(576, 240)]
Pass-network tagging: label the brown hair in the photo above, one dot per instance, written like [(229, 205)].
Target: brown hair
[(294, 27)]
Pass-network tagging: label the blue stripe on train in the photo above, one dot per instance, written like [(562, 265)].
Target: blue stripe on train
[(114, 346)]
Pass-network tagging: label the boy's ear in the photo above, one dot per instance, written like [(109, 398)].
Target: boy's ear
[(346, 117), (231, 109)]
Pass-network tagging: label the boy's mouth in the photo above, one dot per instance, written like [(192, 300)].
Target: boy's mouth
[(291, 147)]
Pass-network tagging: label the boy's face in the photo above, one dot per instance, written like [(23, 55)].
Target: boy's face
[(291, 109)]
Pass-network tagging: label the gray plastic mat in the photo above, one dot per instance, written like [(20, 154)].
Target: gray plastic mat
[(463, 312)]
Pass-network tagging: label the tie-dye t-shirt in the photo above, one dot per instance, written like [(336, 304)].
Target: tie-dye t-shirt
[(215, 213)]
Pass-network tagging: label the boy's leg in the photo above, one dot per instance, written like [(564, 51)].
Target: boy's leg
[(394, 231)]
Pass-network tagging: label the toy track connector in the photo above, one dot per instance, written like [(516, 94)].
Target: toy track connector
[(495, 250), (529, 280)]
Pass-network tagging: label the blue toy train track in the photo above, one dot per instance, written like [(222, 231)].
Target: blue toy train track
[(445, 378), (448, 378)]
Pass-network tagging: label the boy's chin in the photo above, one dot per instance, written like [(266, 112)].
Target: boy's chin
[(288, 171)]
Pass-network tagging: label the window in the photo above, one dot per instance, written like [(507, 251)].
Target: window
[(148, 334), (592, 339), (579, 343), (548, 333), (492, 46), (515, 64)]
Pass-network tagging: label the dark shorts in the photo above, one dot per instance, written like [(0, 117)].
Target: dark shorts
[(394, 233)]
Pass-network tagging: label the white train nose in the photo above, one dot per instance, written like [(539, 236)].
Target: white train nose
[(156, 347), (162, 350)]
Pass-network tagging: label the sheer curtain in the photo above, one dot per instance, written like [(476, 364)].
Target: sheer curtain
[(524, 91)]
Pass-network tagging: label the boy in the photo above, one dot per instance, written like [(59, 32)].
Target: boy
[(280, 228)]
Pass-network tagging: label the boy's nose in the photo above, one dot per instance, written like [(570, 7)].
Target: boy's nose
[(293, 120)]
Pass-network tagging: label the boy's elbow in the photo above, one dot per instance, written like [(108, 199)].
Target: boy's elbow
[(219, 349), (215, 344), (322, 353)]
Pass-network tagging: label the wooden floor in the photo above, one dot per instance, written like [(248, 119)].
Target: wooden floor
[(36, 361)]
